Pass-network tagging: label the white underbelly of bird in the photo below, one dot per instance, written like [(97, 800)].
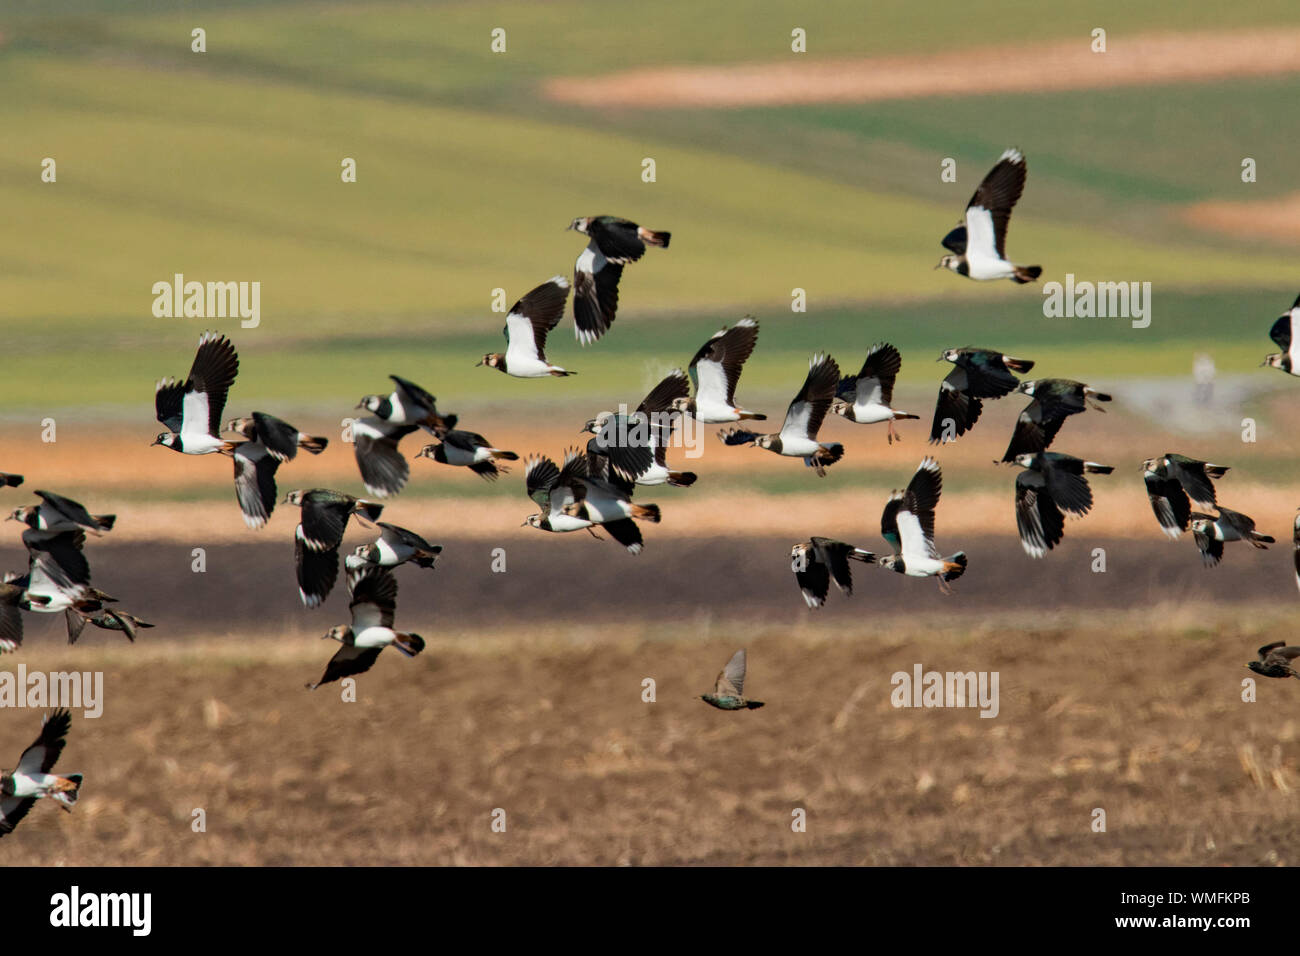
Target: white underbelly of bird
[(714, 413), (988, 267)]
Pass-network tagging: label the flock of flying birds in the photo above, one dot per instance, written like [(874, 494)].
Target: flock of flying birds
[(594, 487)]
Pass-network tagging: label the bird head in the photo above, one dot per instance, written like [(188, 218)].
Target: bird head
[(948, 355), (168, 439), (534, 521), (294, 497), (597, 424), (339, 633), (238, 425), (1027, 388), (889, 561), (491, 360), (428, 450), (370, 403), (947, 262), (763, 441), (26, 514), (682, 405), (580, 224), (1026, 460), (1256, 666), (1273, 360)]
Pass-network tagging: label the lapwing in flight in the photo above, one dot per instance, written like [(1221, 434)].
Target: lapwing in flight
[(1053, 400), (471, 450), (1051, 483), (866, 399), (573, 500), (527, 324), (280, 439), (614, 243), (637, 444), (56, 513), (1286, 333), (729, 688), (818, 561), (409, 404), (373, 607), (714, 372), (33, 779), (395, 546), (798, 435), (1275, 660), (1176, 482), (192, 409), (108, 619), (1212, 532), (58, 579), (907, 523), (317, 538), (13, 598), (1295, 540), (978, 245), (977, 374)]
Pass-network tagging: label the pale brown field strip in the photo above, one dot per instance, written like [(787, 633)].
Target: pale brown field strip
[(1120, 511), (1060, 65), (1274, 218)]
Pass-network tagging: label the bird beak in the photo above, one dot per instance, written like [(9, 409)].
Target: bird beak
[(359, 405), (156, 441), (523, 523), (939, 264), (478, 363)]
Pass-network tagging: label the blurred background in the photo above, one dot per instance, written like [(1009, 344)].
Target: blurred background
[(774, 171)]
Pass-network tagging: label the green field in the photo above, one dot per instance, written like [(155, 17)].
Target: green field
[(225, 166)]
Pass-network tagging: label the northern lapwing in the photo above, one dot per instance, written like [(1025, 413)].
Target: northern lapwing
[(1051, 483), (255, 491), (978, 244), (10, 480), (572, 500), (866, 398), (58, 579), (907, 523), (1174, 483), (818, 561), (978, 374), (1286, 333), (803, 419), (614, 243), (279, 438), (373, 607), (317, 538), (1053, 400), (1211, 532), (1295, 540), (192, 409), (384, 469), (468, 449), (714, 372), (1275, 660), (636, 444), (34, 779), (527, 324), (14, 599), (729, 688), (395, 546), (409, 404), (56, 513)]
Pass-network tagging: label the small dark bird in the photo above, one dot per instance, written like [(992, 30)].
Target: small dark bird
[(1286, 333), (395, 546), (33, 778), (317, 538), (1050, 484), (373, 606), (469, 449), (979, 373), (729, 689), (819, 561), (1275, 660), (1054, 400), (1174, 483), (803, 419), (866, 398), (978, 244), (108, 619), (614, 243), (1211, 533), (192, 409), (715, 371), (528, 323), (281, 439)]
